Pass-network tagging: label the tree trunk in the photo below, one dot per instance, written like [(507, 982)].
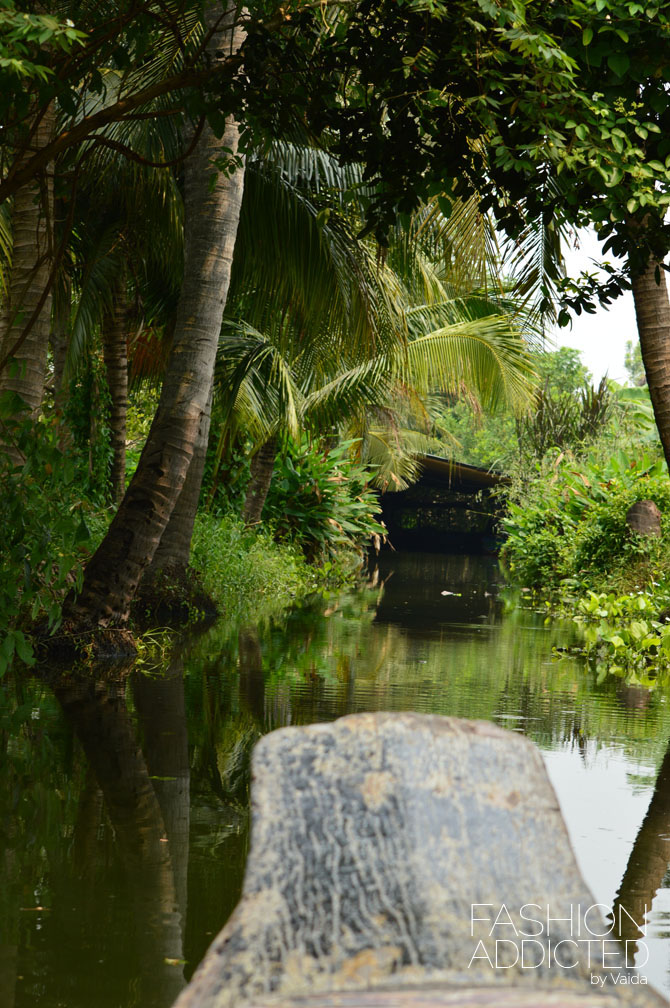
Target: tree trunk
[(652, 309), (262, 465), (174, 548), (26, 315), (60, 335), (115, 353), (211, 214)]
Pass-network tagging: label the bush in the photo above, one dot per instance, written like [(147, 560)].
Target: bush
[(43, 531), (241, 567), (321, 500), (569, 521), (566, 419)]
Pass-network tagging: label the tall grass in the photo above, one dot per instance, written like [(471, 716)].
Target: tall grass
[(245, 569)]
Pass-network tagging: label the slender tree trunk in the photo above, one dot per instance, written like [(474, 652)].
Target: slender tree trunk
[(212, 205), (115, 353), (174, 548), (262, 465), (60, 335), (28, 306), (652, 308)]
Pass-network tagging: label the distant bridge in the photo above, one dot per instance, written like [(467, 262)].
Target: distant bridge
[(452, 508)]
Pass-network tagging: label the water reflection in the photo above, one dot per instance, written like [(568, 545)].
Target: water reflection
[(123, 802), (145, 794), (648, 862)]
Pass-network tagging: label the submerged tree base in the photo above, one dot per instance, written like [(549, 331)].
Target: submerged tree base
[(75, 644), (173, 595)]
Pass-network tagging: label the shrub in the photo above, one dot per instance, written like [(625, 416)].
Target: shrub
[(241, 567), (566, 419), (320, 499), (569, 520)]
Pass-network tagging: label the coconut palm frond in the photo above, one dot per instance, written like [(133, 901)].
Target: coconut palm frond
[(251, 367), (104, 261), (393, 453), (306, 263), (315, 170), (464, 242), (424, 318), (535, 261), (484, 356), (348, 394)]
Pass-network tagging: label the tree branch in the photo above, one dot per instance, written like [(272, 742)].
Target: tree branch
[(83, 129), (132, 155)]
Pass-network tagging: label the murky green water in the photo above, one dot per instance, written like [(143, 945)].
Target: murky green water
[(123, 823)]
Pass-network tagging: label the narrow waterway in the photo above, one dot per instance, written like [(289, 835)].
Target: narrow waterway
[(123, 803)]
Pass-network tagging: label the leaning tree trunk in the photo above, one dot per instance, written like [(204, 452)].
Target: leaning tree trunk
[(262, 465), (212, 207), (115, 353), (174, 549), (652, 309), (26, 315)]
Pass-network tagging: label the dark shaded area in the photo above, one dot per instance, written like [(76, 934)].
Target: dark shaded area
[(425, 593), (451, 508)]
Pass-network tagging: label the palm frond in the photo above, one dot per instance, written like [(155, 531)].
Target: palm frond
[(348, 394), (484, 356), (104, 260), (393, 453), (315, 170), (256, 382), (464, 242), (297, 261), (535, 261)]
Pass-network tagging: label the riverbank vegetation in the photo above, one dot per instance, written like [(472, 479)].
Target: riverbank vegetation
[(569, 541), (301, 242)]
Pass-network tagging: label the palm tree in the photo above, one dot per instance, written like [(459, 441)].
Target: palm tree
[(25, 313), (126, 249), (309, 259), (212, 207), (329, 336)]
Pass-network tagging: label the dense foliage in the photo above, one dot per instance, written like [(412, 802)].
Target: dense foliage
[(567, 522), (466, 137), (322, 500), (42, 533), (569, 545)]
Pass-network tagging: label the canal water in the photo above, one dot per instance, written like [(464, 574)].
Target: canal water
[(123, 803)]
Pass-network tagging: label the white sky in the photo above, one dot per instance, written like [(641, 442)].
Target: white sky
[(601, 337)]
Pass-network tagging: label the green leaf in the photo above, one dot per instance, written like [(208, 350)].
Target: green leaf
[(23, 648), (619, 63)]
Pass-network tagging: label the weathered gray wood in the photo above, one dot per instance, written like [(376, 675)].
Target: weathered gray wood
[(372, 838), (459, 997)]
